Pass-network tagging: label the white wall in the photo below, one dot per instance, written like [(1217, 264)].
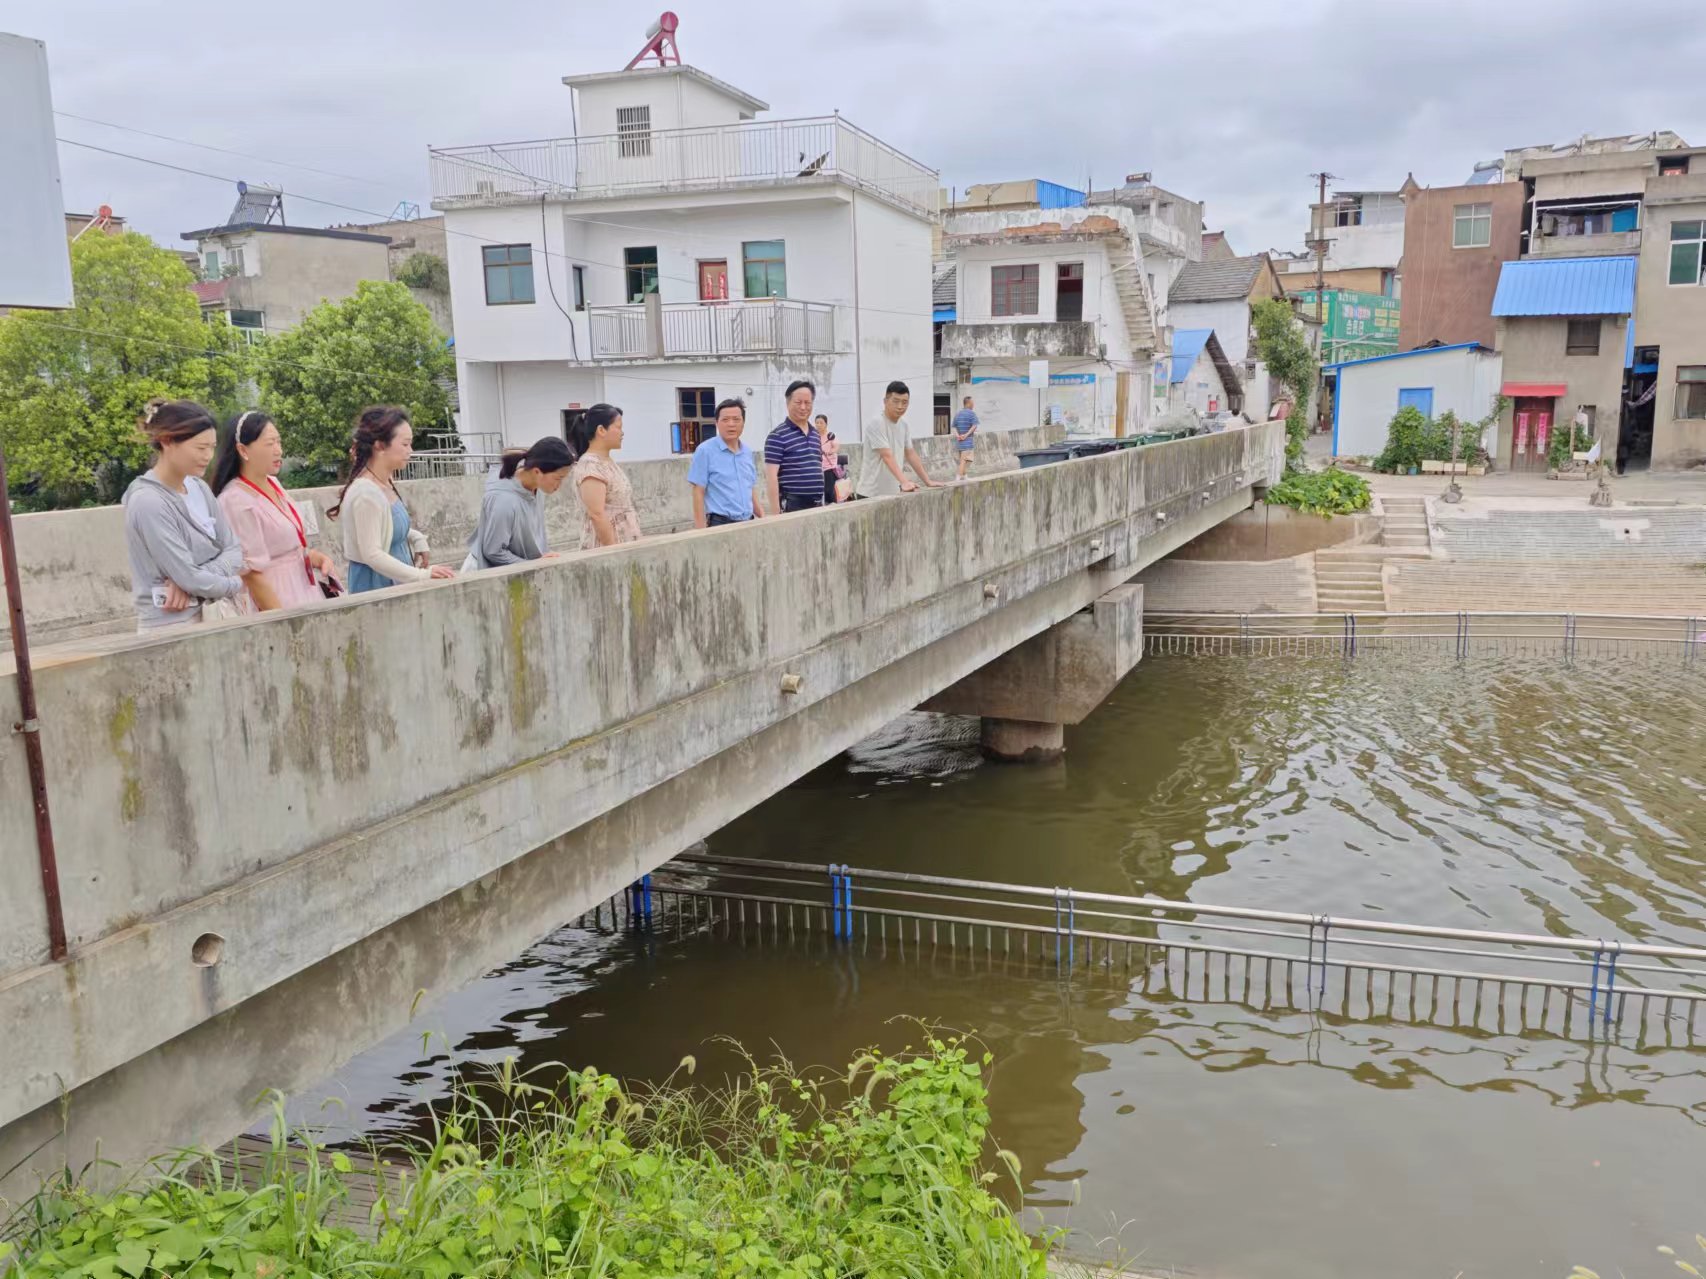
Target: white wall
[(1203, 388), (1380, 245), (525, 331), (894, 326), (677, 101), (1230, 320), (1463, 382)]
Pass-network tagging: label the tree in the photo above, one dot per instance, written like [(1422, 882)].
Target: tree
[(73, 383), (1281, 345), (377, 346), (425, 271)]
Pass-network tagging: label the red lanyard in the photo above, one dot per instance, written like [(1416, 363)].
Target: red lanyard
[(285, 505)]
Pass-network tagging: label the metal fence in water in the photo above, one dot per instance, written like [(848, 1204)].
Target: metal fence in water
[(1355, 969), (1562, 636)]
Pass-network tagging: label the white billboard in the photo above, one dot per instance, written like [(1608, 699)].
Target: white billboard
[(35, 260)]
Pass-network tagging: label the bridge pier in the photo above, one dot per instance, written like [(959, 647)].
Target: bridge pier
[(1028, 695)]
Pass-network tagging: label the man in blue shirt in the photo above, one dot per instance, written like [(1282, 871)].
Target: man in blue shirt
[(793, 454), (965, 436), (724, 473)]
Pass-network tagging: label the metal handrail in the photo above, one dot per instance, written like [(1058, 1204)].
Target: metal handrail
[(1338, 924)]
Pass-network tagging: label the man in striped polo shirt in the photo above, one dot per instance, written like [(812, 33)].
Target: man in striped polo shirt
[(793, 454)]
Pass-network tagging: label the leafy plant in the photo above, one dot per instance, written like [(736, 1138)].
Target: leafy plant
[(1567, 438), (1282, 346), (425, 271), (1406, 441), (876, 1172), (377, 346), (1329, 492), (73, 383)]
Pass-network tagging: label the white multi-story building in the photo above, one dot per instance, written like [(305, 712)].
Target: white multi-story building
[(1069, 285), (677, 250)]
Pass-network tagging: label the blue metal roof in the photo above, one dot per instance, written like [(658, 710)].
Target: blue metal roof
[(944, 314), (1404, 355), (1567, 286), (1051, 195), (1187, 345)]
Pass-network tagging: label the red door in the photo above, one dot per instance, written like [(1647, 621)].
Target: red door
[(714, 281), (1531, 432)]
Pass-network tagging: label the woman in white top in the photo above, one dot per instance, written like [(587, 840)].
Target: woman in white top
[(382, 547)]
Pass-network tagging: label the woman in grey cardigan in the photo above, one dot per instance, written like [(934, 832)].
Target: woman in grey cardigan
[(184, 558), (512, 513)]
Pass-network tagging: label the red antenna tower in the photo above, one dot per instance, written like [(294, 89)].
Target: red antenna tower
[(660, 43)]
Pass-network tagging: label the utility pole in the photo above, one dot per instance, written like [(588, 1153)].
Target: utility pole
[(1320, 241)]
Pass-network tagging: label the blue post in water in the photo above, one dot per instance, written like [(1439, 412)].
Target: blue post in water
[(1593, 987), (835, 901), (1057, 928), (1071, 930), (1611, 979), (847, 898)]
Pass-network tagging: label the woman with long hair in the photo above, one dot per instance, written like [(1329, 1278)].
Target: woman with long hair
[(185, 561), (512, 512), (279, 567), (605, 494), (382, 547)]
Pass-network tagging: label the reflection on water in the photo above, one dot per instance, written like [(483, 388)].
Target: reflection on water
[(1220, 1138)]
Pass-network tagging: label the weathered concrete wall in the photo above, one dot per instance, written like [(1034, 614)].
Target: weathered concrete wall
[(1230, 586), (1060, 676), (297, 783), (77, 576), (1277, 532), (1672, 317), (1533, 351)]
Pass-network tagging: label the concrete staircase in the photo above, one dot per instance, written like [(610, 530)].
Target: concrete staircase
[(1405, 525), (1130, 283), (1348, 580), (1352, 579)]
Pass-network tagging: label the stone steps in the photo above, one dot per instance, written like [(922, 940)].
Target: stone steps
[(1404, 526)]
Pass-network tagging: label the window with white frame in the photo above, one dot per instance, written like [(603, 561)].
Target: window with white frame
[(1472, 226), (1686, 253), (633, 131)]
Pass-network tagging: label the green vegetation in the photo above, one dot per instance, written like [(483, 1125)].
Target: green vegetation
[(73, 383), (377, 346), (425, 271), (1329, 492), (1567, 438), (1412, 438), (877, 1172), (1282, 346)]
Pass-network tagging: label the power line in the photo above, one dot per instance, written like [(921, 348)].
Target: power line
[(481, 239), (208, 146)]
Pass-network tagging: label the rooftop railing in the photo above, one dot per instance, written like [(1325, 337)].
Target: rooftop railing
[(711, 158)]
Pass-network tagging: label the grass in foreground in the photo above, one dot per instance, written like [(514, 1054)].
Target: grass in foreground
[(878, 1172)]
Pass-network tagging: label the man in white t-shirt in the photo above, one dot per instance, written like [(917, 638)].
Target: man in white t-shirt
[(888, 441)]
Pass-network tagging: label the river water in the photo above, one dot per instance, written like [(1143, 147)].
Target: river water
[(1214, 1139)]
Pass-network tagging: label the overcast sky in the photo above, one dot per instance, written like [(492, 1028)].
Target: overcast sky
[(1232, 103)]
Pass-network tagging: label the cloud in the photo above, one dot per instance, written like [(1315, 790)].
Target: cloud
[(1233, 104)]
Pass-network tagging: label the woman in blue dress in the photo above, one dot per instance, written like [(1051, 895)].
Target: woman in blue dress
[(382, 547)]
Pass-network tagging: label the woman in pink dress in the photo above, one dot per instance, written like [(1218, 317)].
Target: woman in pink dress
[(280, 569)]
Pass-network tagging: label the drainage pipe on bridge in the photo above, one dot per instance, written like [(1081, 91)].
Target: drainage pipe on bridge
[(29, 727)]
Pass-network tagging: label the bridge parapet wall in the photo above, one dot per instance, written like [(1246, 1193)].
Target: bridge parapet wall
[(303, 780)]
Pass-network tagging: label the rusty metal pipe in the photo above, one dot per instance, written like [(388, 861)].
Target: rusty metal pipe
[(30, 728)]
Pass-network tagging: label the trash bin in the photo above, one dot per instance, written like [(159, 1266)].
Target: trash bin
[(1042, 457), (1092, 448)]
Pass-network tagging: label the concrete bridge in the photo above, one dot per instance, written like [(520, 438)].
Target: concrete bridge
[(274, 833)]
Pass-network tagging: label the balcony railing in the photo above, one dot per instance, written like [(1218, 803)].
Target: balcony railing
[(1601, 244), (720, 157), (758, 326), (1062, 339)]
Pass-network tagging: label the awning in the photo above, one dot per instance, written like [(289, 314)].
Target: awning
[(1542, 390)]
